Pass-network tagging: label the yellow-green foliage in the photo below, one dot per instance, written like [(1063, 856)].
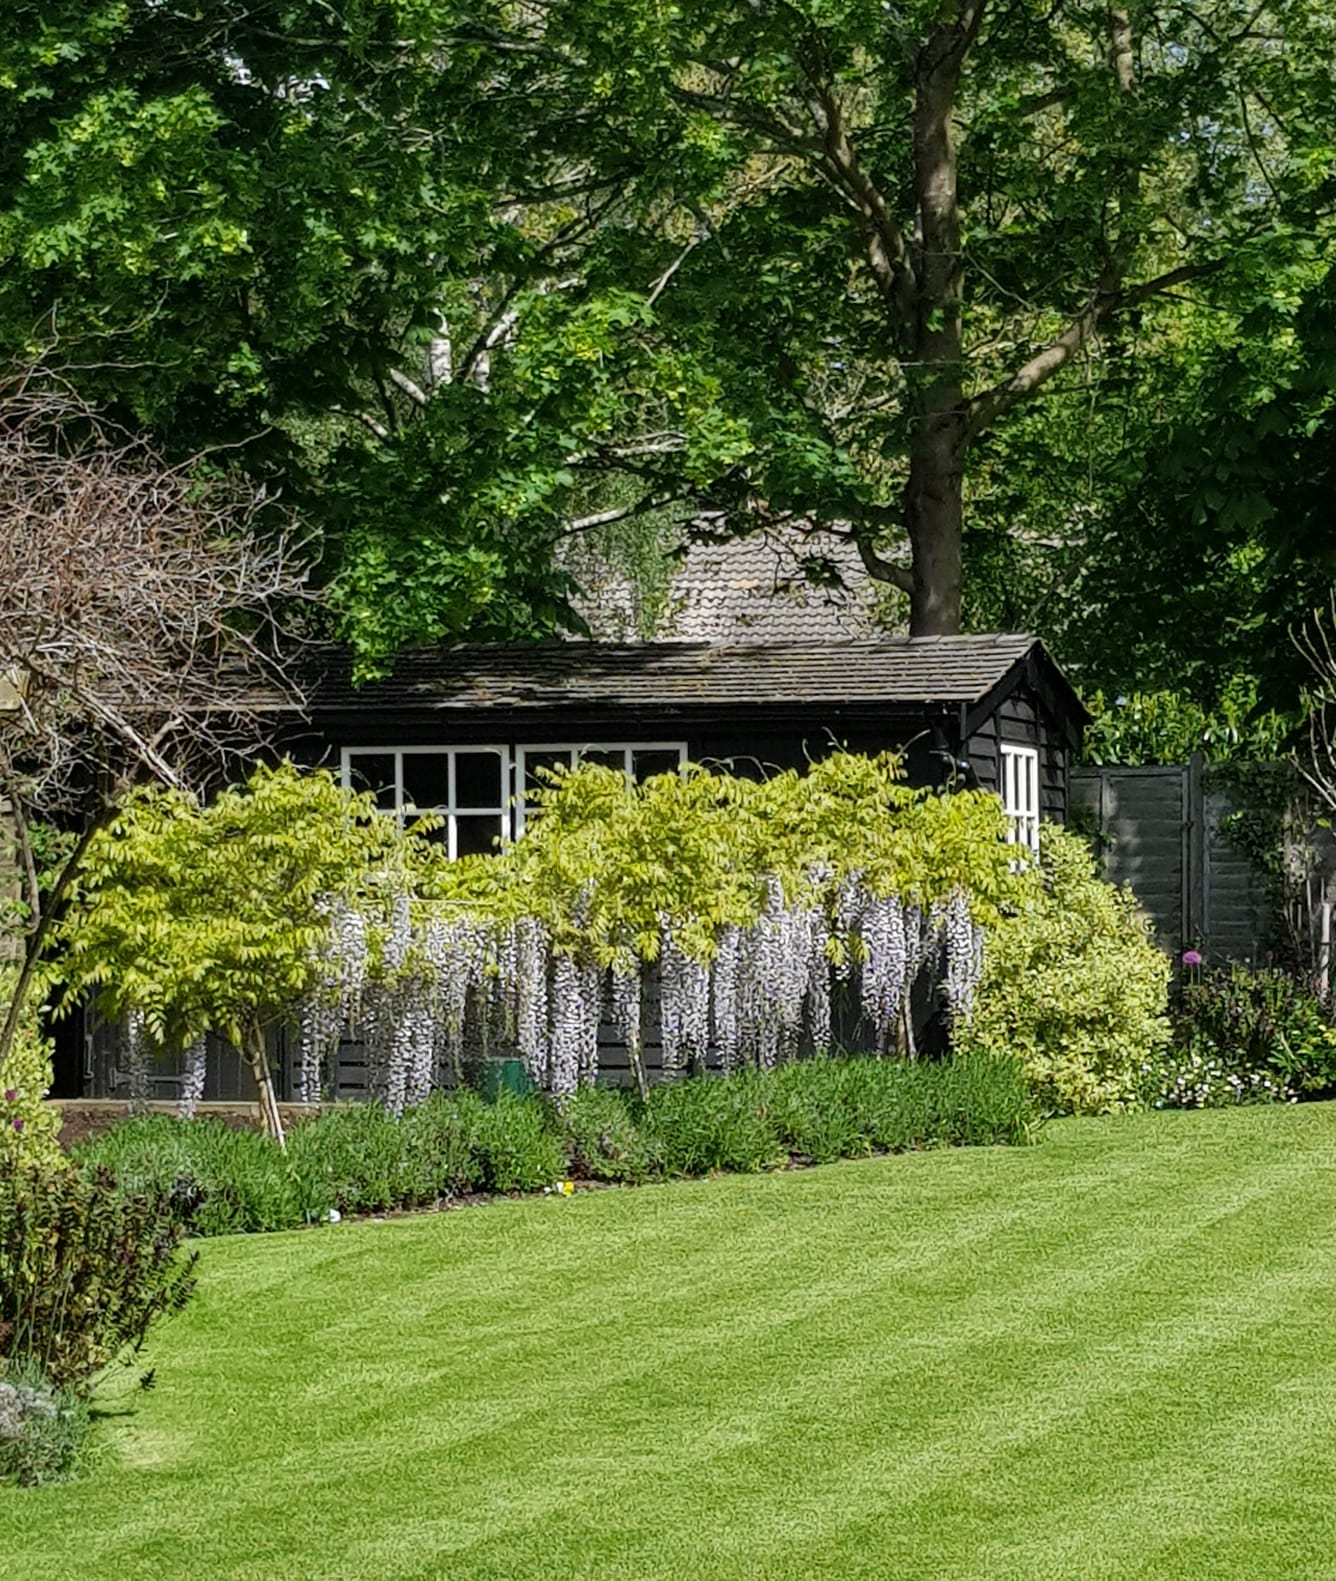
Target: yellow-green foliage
[(1072, 985), (202, 915), (27, 1127), (604, 863)]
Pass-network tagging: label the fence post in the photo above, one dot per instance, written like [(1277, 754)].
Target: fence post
[(1194, 853)]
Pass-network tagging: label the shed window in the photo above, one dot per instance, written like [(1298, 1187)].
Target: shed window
[(638, 760), (467, 787), (483, 793), (1020, 794)]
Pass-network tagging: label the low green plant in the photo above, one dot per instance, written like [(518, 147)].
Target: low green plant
[(822, 1110), (441, 1142), (1194, 1078), (352, 1157), (518, 1146), (707, 1123), (84, 1269), (601, 1138), (1073, 985), (212, 1178), (1243, 1035), (356, 1158), (43, 1429)]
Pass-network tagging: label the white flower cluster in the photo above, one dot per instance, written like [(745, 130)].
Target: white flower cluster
[(684, 1004), (138, 1053), (192, 1080), (22, 1403), (577, 1005), (1189, 1079), (439, 988), (962, 939)]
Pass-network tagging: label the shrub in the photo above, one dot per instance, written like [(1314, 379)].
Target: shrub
[(28, 1129), (84, 1269), (441, 1139), (43, 1429), (601, 1138), (708, 1122), (518, 1147), (1243, 1036), (359, 1159), (214, 1180), (979, 1099), (351, 1158), (819, 1108), (828, 1109), (1073, 986)]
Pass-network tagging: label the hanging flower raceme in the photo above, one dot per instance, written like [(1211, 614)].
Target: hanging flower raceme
[(528, 952)]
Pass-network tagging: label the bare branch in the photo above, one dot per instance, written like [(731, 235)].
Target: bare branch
[(138, 625)]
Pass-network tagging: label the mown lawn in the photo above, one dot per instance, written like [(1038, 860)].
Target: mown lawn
[(1112, 1355)]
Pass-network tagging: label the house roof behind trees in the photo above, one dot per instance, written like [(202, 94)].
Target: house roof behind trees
[(756, 589)]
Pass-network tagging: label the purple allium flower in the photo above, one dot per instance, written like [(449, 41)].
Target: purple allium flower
[(1191, 958), (10, 1094), (18, 1122)]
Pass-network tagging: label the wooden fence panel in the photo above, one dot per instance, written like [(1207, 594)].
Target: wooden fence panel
[(1163, 833)]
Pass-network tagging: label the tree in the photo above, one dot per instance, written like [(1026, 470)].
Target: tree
[(881, 233), (472, 279), (139, 638), (1199, 568), (200, 917)]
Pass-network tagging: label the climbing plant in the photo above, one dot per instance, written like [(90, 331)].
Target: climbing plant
[(292, 900), (751, 900)]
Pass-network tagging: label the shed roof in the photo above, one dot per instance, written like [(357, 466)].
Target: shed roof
[(559, 674)]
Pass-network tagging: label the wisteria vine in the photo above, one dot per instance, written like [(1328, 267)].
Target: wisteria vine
[(435, 992)]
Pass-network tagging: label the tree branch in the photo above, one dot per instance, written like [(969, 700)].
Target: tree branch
[(883, 240), (415, 392), (650, 502), (1105, 301), (882, 570)]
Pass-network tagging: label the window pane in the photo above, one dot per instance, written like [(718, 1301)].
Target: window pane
[(477, 779), (476, 836), (437, 836), (426, 779), (653, 761), (373, 771), (534, 761), (610, 757)]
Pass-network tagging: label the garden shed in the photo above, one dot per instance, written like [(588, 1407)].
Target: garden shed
[(462, 731)]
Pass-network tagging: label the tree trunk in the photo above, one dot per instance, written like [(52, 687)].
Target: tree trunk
[(255, 1050), (933, 518), (36, 940), (933, 505)]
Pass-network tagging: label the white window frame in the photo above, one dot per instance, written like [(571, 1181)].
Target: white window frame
[(573, 751), (513, 773), (1020, 793), (450, 810)]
